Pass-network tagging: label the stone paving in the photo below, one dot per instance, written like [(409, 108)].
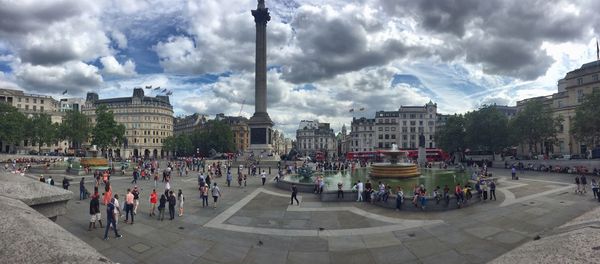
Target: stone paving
[(257, 225)]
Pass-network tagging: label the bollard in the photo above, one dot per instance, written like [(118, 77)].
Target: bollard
[(269, 170)]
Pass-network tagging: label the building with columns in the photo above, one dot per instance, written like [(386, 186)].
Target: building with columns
[(313, 136), (571, 91), (147, 120)]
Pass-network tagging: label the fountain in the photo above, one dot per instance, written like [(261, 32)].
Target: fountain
[(394, 169)]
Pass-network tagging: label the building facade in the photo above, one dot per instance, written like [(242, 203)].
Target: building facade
[(362, 134), (29, 105), (188, 124), (571, 92), (71, 104), (147, 120), (313, 137), (239, 128)]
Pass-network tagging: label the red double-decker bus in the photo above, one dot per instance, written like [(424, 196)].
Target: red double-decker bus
[(432, 154)]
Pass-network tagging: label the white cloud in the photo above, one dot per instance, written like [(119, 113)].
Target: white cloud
[(77, 77), (112, 67)]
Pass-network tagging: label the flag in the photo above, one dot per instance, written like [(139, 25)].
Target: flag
[(169, 93), (157, 88), (148, 86), (597, 50), (361, 109), (164, 91), (351, 110), (65, 92)]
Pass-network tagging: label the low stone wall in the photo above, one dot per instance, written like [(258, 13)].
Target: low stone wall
[(352, 196)]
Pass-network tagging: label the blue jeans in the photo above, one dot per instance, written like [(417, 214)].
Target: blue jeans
[(128, 211), (204, 200), (111, 221), (399, 203), (81, 194)]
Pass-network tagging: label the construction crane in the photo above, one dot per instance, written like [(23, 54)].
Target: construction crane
[(242, 107)]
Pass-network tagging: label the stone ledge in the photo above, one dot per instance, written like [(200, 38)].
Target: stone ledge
[(30, 237)]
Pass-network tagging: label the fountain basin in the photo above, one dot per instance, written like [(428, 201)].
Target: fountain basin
[(398, 170)]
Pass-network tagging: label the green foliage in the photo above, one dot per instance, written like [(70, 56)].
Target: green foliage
[(216, 135), (40, 130), (451, 137), (12, 128), (535, 125), (181, 145), (107, 131), (75, 128), (487, 129), (586, 123)]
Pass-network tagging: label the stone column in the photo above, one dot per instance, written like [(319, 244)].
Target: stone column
[(261, 17)]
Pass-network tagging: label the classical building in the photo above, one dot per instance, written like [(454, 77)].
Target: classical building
[(188, 124), (148, 121), (239, 127), (403, 127), (509, 111), (68, 104), (313, 136), (571, 91), (281, 144), (362, 131), (31, 104)]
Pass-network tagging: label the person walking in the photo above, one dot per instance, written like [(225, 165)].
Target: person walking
[(216, 193), (492, 185), (583, 184), (577, 182), (595, 188), (172, 202), (513, 172), (204, 195), (95, 212), (240, 179), (136, 199), (340, 191), (294, 195), (180, 199), (263, 177), (135, 176), (129, 206), (110, 220), (161, 207), (229, 178), (484, 190), (361, 188), (81, 189), (117, 212), (153, 201)]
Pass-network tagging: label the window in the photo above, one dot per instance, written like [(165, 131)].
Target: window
[(380, 136), (35, 101), (412, 137), (404, 123), (559, 104), (412, 123), (420, 122), (579, 96), (595, 77), (412, 130), (387, 136), (387, 129), (404, 130), (413, 116), (380, 128), (41, 109), (380, 145), (26, 100), (41, 101), (393, 128), (19, 105), (579, 80), (404, 145), (19, 99), (393, 136), (404, 137)]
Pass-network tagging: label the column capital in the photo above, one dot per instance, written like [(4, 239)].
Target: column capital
[(261, 15)]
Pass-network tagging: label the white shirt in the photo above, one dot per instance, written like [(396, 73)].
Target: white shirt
[(360, 186), (263, 174), (116, 203)]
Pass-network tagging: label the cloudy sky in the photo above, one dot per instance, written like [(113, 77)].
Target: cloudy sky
[(325, 56)]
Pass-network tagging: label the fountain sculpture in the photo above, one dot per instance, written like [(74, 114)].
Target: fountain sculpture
[(394, 169)]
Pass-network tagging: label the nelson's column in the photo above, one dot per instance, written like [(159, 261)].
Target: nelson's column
[(260, 123)]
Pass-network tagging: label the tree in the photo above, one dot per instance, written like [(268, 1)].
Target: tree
[(107, 131), (40, 130), (12, 128), (487, 129), (586, 123), (451, 136), (535, 125), (75, 128), (216, 135), (180, 145)]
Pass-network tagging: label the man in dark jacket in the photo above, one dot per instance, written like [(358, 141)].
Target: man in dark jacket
[(172, 202), (95, 212)]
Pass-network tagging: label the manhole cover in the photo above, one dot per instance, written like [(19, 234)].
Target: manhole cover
[(562, 202), (411, 234), (139, 247)]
